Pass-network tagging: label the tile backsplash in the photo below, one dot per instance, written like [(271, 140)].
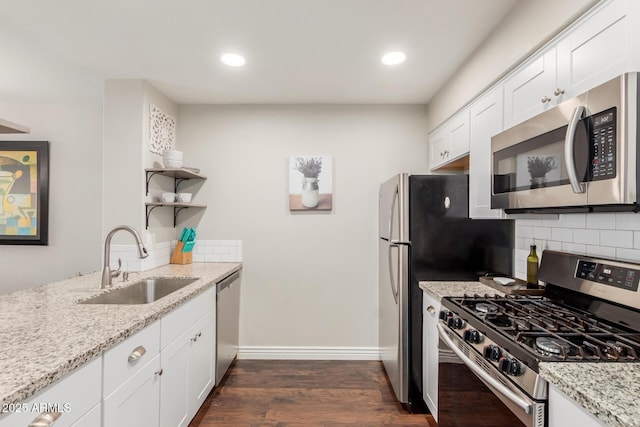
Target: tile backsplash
[(160, 254), (609, 235)]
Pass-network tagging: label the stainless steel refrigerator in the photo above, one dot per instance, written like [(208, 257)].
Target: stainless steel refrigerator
[(426, 234)]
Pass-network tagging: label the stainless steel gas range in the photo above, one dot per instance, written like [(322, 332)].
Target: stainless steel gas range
[(491, 346)]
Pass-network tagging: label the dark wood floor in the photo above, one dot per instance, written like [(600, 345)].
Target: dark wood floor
[(290, 393)]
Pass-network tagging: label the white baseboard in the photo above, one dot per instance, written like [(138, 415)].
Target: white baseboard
[(308, 353)]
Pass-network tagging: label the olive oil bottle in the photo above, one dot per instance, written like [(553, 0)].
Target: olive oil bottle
[(532, 266)]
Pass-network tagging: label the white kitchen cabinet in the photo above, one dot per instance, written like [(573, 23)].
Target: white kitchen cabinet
[(596, 50), (72, 398), (135, 403), (188, 360), (532, 89), (450, 141), (564, 411), (591, 52), (431, 308), (485, 121)]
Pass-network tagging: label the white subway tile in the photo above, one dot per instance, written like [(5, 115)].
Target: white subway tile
[(602, 251), (573, 220), (601, 221), (628, 254), (198, 258), (574, 247), (554, 246), (615, 238), (524, 231), (627, 221), (541, 233), (589, 237), (562, 234), (519, 241), (636, 239)]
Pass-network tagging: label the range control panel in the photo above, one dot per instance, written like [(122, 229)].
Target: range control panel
[(620, 277), (603, 145)]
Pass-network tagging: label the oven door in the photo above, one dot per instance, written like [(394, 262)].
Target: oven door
[(472, 393)]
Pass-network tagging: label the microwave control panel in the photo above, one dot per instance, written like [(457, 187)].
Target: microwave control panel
[(603, 145), (619, 277)]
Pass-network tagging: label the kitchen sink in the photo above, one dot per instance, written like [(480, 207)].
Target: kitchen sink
[(142, 292)]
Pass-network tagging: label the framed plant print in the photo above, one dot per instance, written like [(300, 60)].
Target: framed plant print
[(24, 192)]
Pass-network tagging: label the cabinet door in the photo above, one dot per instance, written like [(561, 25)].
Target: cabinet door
[(530, 90), (431, 307), (136, 403), (458, 135), (596, 50), (485, 121), (174, 385), (201, 362), (564, 411), (438, 145), (91, 418)]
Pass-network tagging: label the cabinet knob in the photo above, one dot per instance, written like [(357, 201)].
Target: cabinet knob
[(159, 373), (196, 336), (45, 419), (545, 99), (558, 92), (137, 353), (431, 309)]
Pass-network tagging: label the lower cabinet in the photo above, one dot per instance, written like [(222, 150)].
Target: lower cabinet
[(564, 411), (431, 308), (135, 403), (73, 401)]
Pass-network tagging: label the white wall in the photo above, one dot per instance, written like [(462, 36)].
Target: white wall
[(74, 130), (309, 280)]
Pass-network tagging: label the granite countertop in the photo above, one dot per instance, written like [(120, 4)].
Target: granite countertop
[(607, 390), (457, 289), (45, 334)]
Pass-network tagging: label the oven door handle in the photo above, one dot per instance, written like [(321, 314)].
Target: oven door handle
[(569, 144), (523, 404)]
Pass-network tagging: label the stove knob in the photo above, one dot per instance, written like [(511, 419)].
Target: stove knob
[(473, 336), (455, 323), (492, 352), (510, 366), (445, 314)]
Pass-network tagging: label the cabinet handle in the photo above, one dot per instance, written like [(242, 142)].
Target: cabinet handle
[(196, 336), (545, 99), (159, 373), (558, 92), (137, 353), (46, 419), (431, 309)]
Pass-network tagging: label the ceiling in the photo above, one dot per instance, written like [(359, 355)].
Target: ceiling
[(297, 51)]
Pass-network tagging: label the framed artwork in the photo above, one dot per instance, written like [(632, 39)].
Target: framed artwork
[(310, 183), (24, 192)]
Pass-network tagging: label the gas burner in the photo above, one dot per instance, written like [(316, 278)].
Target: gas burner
[(550, 346), (486, 308)]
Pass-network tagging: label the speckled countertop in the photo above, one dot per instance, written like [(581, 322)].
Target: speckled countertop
[(609, 391), (45, 334)]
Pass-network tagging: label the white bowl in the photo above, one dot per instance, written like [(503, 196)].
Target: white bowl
[(172, 163), (172, 154), (168, 197), (184, 197)]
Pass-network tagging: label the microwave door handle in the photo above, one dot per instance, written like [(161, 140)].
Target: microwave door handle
[(521, 403), (569, 144)]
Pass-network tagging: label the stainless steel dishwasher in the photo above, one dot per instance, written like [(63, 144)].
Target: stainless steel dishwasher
[(227, 323)]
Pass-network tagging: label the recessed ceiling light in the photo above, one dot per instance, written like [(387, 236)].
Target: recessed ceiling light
[(393, 58), (232, 60)]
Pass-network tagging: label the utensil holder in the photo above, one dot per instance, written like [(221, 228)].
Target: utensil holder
[(179, 257)]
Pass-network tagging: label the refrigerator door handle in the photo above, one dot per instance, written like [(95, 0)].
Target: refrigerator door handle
[(393, 282), (391, 211)]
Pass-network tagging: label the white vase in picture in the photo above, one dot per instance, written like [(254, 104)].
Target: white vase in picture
[(310, 192)]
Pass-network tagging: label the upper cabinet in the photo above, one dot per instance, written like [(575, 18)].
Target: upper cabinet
[(449, 144), (485, 121), (591, 52), (9, 127)]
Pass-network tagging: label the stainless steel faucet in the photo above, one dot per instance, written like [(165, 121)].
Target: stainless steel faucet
[(107, 274)]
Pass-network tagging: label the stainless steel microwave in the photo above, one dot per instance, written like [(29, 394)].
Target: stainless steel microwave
[(579, 156)]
